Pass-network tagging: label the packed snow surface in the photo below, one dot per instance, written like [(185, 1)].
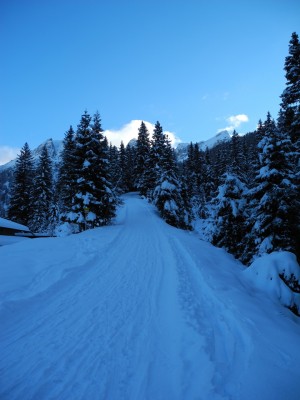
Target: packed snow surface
[(139, 310)]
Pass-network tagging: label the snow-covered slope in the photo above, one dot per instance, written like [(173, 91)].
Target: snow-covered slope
[(54, 148), (181, 149), (139, 310)]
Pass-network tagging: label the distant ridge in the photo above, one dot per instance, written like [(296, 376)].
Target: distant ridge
[(55, 147)]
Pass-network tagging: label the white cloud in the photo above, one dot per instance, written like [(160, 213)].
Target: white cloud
[(130, 131), (7, 154), (234, 122)]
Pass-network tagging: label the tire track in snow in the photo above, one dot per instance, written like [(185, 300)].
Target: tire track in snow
[(96, 336), (216, 325), (129, 323)]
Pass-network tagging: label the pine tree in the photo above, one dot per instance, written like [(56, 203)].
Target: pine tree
[(154, 163), (103, 205), (142, 159), (208, 176), (122, 167), (21, 207), (95, 201), (235, 159), (114, 166), (194, 178), (42, 194), (290, 107), (170, 195), (67, 179), (230, 215), (129, 175), (230, 203), (82, 173), (273, 200)]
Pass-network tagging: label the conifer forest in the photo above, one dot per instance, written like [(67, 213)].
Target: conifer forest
[(243, 193)]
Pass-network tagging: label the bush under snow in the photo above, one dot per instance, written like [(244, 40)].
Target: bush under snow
[(277, 274)]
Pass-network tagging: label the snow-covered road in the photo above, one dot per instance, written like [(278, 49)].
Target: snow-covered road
[(140, 310)]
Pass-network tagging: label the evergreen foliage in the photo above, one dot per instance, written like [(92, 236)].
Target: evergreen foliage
[(129, 174), (142, 159), (114, 166), (42, 216), (273, 198), (123, 185), (21, 201), (67, 180), (170, 195), (230, 215), (290, 114), (94, 202)]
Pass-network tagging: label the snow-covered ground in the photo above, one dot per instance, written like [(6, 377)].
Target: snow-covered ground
[(139, 310)]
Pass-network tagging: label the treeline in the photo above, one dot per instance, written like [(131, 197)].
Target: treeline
[(245, 191)]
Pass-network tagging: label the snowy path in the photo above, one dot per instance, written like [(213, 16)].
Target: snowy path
[(148, 313)]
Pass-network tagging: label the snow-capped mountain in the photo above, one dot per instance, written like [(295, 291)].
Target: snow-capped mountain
[(181, 149), (54, 148)]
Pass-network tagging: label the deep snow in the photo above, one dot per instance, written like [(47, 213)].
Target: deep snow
[(139, 310)]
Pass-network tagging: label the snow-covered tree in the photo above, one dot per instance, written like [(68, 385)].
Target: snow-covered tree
[(122, 167), (230, 215), (67, 179), (21, 205), (105, 200), (290, 106), (42, 216), (142, 159), (94, 201), (193, 174), (273, 199), (129, 175), (114, 166), (169, 195)]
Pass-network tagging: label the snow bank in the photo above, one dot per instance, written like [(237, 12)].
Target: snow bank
[(269, 272), (5, 223), (32, 266)]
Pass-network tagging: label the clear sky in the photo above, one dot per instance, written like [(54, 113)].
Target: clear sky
[(194, 65)]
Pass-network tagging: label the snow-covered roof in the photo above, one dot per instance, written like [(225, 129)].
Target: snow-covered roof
[(5, 223)]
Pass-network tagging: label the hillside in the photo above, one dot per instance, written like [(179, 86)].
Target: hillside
[(139, 310)]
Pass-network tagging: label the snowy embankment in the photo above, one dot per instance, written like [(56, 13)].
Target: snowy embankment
[(139, 310)]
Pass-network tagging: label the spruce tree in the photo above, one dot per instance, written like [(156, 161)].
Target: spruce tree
[(290, 105), (67, 178), (114, 166), (21, 204), (42, 194), (142, 159), (230, 215), (230, 203), (194, 178), (82, 196), (129, 174), (273, 199), (122, 168), (94, 202), (170, 195), (103, 202), (154, 163), (208, 176)]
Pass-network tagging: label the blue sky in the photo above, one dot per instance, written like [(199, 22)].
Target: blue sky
[(194, 65)]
